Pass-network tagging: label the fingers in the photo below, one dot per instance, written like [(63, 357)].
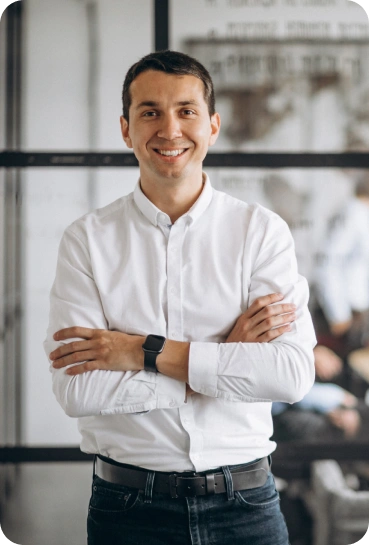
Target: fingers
[(273, 334), (266, 316), (76, 331), (274, 321), (75, 357), (65, 349), (262, 302), (84, 368)]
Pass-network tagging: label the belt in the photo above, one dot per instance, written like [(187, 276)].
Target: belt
[(180, 485)]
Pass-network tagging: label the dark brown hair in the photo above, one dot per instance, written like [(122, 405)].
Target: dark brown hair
[(170, 62)]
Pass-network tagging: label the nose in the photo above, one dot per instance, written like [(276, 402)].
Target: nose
[(170, 127)]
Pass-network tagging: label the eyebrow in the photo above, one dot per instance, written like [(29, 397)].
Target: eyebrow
[(153, 104)]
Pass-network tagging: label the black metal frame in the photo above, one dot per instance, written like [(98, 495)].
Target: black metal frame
[(290, 460), (13, 216), (19, 159), (288, 456)]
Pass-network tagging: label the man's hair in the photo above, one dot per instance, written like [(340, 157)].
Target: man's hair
[(170, 62)]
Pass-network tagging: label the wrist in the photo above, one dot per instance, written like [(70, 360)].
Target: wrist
[(173, 361), (139, 354)]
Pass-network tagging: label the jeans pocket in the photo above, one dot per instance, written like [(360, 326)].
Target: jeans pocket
[(111, 502), (263, 497)]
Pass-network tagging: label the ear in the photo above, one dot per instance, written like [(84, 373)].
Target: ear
[(215, 128), (124, 127)]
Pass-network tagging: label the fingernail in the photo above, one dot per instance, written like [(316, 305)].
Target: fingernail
[(55, 336)]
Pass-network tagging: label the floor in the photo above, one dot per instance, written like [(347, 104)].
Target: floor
[(49, 504)]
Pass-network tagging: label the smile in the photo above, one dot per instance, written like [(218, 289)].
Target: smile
[(170, 153)]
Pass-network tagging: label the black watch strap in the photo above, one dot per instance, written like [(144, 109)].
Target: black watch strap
[(150, 362), (152, 347)]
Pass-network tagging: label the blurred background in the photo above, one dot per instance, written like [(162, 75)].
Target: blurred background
[(292, 88)]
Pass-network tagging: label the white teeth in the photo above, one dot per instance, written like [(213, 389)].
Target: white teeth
[(172, 153)]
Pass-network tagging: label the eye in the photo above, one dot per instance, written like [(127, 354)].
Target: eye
[(151, 113), (188, 112)]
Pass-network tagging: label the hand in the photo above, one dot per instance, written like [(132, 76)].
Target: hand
[(340, 328), (255, 325), (347, 420), (327, 363), (100, 349)]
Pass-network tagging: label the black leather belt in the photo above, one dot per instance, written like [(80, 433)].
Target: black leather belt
[(180, 485)]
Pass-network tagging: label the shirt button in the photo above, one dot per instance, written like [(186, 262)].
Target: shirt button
[(172, 404), (174, 334)]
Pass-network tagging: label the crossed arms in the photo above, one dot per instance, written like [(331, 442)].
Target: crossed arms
[(266, 356), (116, 351)]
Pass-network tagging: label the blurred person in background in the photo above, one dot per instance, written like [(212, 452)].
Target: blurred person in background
[(342, 280)]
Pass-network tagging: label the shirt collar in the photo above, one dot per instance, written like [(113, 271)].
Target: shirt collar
[(156, 216)]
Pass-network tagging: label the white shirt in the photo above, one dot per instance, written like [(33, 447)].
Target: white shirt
[(125, 267), (343, 274)]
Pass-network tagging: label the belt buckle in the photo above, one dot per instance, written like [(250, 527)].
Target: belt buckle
[(173, 485)]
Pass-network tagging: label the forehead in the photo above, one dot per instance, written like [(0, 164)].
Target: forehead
[(157, 86)]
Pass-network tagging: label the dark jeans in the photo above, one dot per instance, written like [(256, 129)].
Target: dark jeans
[(124, 516)]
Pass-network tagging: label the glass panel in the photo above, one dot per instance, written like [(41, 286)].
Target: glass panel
[(53, 198), (288, 77), (75, 57)]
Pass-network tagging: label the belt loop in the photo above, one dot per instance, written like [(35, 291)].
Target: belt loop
[(228, 482), (149, 486)]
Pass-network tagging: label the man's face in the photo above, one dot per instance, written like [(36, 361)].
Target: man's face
[(169, 126)]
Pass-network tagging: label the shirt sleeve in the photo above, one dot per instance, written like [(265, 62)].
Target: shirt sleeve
[(281, 370), (75, 301)]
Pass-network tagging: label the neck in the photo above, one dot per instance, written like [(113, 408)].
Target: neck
[(174, 200)]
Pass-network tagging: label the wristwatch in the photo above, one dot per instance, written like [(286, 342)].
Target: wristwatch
[(152, 347)]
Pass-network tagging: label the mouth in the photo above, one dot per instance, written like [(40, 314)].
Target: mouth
[(170, 152)]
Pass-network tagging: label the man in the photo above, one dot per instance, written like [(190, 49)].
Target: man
[(172, 294)]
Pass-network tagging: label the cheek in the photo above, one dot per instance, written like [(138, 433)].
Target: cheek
[(203, 135)]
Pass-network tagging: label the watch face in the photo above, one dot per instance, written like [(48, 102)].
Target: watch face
[(154, 343)]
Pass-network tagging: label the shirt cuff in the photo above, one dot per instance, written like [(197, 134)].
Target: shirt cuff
[(203, 368)]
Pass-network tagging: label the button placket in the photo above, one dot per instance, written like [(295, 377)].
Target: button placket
[(186, 413), (174, 280)]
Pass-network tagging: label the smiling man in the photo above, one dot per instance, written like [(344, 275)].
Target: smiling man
[(168, 336)]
